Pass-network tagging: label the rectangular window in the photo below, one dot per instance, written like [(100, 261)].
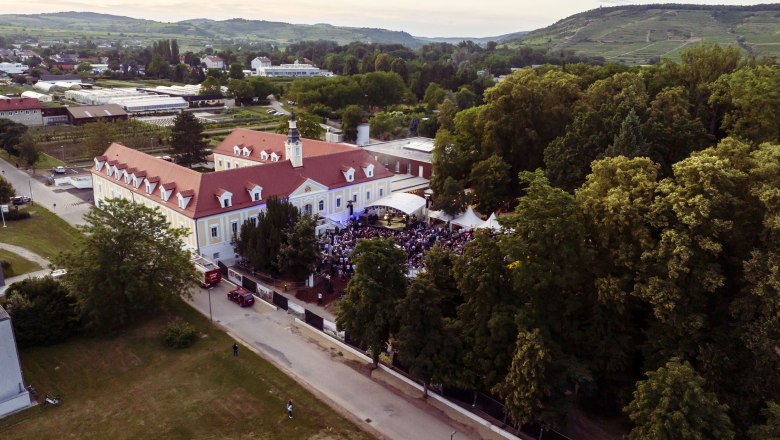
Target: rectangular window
[(214, 232), (338, 202), (234, 227), (220, 163), (253, 220), (381, 192), (354, 198), (322, 205), (368, 195), (228, 165), (256, 197)]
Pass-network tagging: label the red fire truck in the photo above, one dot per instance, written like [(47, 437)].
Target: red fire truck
[(208, 273)]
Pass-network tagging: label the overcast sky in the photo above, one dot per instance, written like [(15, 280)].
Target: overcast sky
[(429, 18)]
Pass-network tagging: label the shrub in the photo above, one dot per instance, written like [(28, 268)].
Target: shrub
[(5, 264), (14, 214), (42, 312), (179, 334)]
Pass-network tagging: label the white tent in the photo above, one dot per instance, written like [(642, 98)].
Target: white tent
[(404, 202), (468, 219), (492, 223), (440, 215)]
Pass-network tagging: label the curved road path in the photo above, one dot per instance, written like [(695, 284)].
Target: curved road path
[(29, 255)]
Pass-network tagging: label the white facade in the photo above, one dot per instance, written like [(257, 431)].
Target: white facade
[(213, 62), (31, 117), (13, 68), (260, 62), (13, 393), (296, 70)]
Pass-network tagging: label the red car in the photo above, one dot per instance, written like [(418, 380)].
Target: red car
[(241, 297)]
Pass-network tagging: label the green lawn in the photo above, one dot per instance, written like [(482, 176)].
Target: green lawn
[(44, 161), (19, 264), (43, 233), (131, 386)]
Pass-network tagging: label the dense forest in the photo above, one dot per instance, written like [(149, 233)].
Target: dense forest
[(638, 272)]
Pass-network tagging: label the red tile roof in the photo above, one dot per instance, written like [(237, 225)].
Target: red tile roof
[(7, 104), (278, 179), (273, 142)]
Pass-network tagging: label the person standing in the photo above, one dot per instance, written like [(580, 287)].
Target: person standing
[(319, 298), (235, 350), (289, 408)]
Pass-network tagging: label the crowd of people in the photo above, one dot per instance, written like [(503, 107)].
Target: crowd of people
[(415, 239)]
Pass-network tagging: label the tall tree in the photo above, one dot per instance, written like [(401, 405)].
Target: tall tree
[(187, 140), (7, 190), (629, 141), (490, 182), (10, 134), (261, 241), (236, 71), (425, 343), (751, 96), (211, 86), (367, 312), (128, 261), (350, 119), (770, 429), (525, 388), (673, 404), (486, 317), (299, 254), (28, 148)]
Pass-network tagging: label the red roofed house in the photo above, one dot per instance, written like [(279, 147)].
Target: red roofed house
[(333, 181), (27, 111)]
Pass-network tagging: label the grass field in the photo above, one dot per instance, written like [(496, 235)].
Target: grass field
[(19, 264), (131, 386), (43, 233), (44, 161)]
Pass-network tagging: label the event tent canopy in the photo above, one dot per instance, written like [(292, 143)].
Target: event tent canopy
[(404, 202), (492, 223), (468, 219)]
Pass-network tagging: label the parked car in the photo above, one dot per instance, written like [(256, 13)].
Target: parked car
[(241, 296), (270, 111), (20, 200), (59, 170), (278, 114)]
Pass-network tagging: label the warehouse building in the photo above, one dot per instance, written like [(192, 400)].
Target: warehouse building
[(93, 113)]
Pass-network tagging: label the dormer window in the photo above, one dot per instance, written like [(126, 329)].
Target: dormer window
[(368, 169), (138, 178), (127, 178), (255, 191), (263, 155), (99, 162), (246, 151), (236, 150), (349, 173), (150, 185), (274, 157), (225, 198), (166, 190), (184, 198)]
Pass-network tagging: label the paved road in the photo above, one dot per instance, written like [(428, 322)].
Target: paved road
[(69, 207), (276, 105), (274, 336), (29, 255)]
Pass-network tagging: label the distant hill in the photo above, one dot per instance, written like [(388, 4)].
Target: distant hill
[(482, 40), (190, 33), (637, 34), (196, 33)]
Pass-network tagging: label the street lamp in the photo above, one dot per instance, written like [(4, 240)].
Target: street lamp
[(211, 317), (29, 183), (62, 147)]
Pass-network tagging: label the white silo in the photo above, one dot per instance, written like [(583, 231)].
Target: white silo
[(362, 135)]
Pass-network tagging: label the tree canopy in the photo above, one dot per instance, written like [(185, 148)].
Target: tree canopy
[(128, 261)]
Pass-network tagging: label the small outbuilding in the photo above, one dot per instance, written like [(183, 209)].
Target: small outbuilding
[(93, 113)]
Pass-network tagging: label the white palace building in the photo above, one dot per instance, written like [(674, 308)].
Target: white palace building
[(334, 181)]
